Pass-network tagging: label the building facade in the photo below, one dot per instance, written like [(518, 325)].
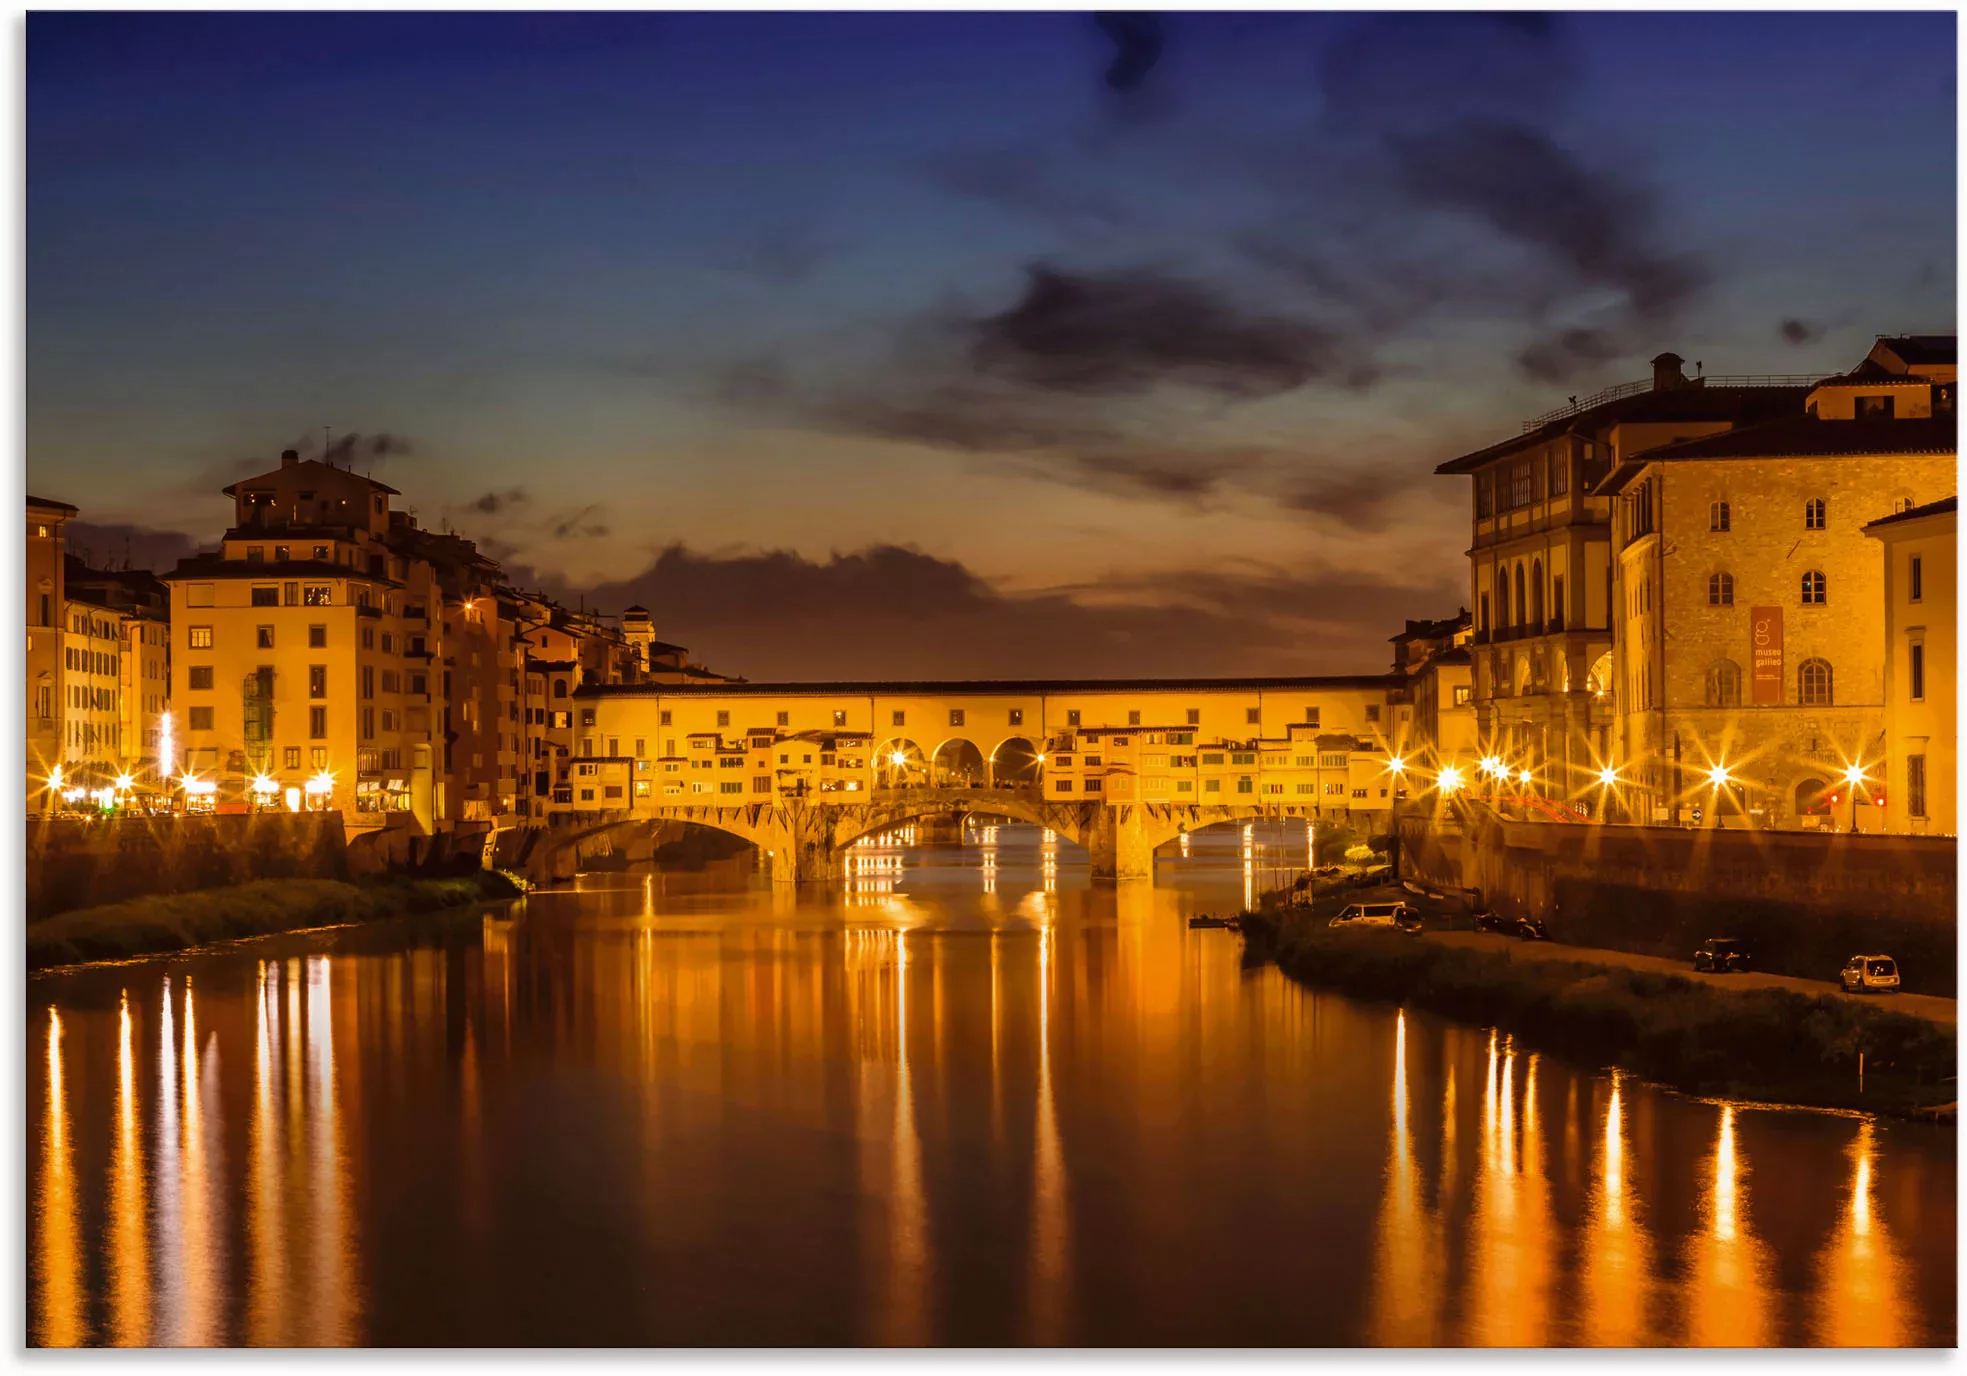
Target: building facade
[(1919, 547), (47, 645), (1749, 655)]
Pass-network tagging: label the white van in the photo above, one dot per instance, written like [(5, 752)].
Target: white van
[(1370, 915)]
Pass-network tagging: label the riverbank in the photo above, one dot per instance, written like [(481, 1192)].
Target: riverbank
[(1768, 1044), (174, 922)]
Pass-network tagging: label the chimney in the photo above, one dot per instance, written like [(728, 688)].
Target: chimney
[(289, 457), (1667, 374)]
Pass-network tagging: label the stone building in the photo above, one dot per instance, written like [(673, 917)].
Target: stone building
[(1921, 688), (1434, 658), (1748, 652), (47, 684), (1540, 573), (136, 606)]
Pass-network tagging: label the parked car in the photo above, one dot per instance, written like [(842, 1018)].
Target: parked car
[(1862, 974), (1409, 922), (1723, 955), (1486, 921), (1372, 915)]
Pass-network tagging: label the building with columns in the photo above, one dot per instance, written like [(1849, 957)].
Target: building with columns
[(1540, 563)]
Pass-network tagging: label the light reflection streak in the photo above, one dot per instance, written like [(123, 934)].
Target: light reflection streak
[(202, 1239), (1617, 1253), (60, 1259), (1407, 1269), (1048, 1223), (1509, 1228), (169, 1235), (129, 1252), (1862, 1298), (908, 1242), (1728, 1300), (266, 1216)]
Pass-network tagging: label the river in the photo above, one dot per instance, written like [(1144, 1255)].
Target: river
[(968, 1097)]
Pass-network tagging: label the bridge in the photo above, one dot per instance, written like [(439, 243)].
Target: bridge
[(1117, 766)]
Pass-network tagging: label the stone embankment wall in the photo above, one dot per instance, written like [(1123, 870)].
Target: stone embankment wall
[(73, 863), (1806, 901)]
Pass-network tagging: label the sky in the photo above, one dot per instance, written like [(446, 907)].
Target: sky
[(944, 345)]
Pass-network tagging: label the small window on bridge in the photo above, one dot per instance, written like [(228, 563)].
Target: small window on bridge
[(901, 719), (1372, 711), (1311, 716), (1133, 719), (1061, 785), (723, 718), (664, 719), (839, 718), (1212, 785), (1017, 716), (1253, 716), (785, 719), (1072, 717), (956, 716), (1092, 785), (1195, 716)]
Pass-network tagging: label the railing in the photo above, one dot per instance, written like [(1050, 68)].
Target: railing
[(1646, 384)]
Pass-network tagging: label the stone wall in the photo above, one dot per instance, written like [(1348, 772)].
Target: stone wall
[(1805, 900)]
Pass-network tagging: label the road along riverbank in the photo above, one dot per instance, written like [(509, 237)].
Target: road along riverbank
[(1772, 1044), (173, 922)]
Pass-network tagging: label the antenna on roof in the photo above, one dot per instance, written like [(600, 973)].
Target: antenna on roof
[(1697, 367)]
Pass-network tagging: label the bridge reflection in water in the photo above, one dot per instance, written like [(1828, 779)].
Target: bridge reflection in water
[(968, 1103)]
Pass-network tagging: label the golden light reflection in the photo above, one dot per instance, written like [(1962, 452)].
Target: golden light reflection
[(59, 1259), (331, 1283), (1728, 1300), (1048, 1249), (200, 1255), (908, 1209), (1510, 1228), (168, 1237), (1616, 1249), (129, 1250), (1861, 1298), (266, 1201), (1407, 1258)]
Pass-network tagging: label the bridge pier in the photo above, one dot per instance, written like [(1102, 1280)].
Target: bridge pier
[(1119, 841)]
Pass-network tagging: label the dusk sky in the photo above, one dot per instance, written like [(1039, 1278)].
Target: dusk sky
[(945, 345)]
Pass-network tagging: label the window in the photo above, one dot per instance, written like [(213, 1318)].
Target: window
[(201, 718), (1372, 711), (199, 678), (1560, 473), (724, 718), (318, 755), (1195, 716), (317, 723), (368, 637), (1017, 716), (199, 637), (256, 554), (1072, 717), (1557, 602), (1724, 684), (1311, 716), (265, 637), (1900, 504), (587, 716), (1133, 719), (761, 783), (1484, 623), (1717, 516), (898, 718), (1915, 582), (1461, 695), (1873, 408), (1253, 716), (641, 748), (785, 719), (1485, 497), (956, 716), (1916, 785), (290, 758), (1721, 590), (1814, 589), (1520, 476), (1916, 670), (317, 595), (1522, 605), (1813, 683), (1813, 514), (1061, 785)]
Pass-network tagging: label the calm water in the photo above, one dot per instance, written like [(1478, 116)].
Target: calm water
[(971, 1099)]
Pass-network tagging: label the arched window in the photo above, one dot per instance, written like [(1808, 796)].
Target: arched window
[(1721, 590), (1724, 684), (1502, 601), (1813, 514), (1557, 601), (1813, 683), (1537, 595), (1521, 606), (1901, 504), (560, 687), (1814, 589), (1717, 516)]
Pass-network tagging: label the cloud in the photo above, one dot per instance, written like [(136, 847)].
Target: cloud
[(888, 611), (1130, 331), (132, 546), (352, 447), (492, 503), (1794, 331), (578, 526), (1137, 42)]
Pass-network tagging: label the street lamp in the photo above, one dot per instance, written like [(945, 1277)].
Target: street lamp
[(1449, 779), (1854, 779)]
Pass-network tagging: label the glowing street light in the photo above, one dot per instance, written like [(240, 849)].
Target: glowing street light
[(1522, 775), (1718, 776), (54, 779), (898, 759), (1396, 766), (1608, 777), (1449, 779), (321, 785), (1854, 775), (166, 746), (124, 783)]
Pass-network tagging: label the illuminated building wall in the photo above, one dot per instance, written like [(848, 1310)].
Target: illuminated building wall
[(1921, 687)]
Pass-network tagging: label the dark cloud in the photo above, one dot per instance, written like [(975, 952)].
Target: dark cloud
[(1561, 356), (579, 525), (351, 448), (1794, 331), (778, 615), (130, 546), (1137, 42), (1115, 333), (492, 503)]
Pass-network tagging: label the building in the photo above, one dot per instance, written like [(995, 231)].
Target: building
[(47, 645), (136, 605), (1434, 658), (1749, 656), (1920, 632), (1540, 564)]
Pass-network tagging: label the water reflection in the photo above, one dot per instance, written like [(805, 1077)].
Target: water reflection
[(979, 1101)]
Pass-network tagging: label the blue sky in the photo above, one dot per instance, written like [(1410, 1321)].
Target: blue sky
[(1158, 365)]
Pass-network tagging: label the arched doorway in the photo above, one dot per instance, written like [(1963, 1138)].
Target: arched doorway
[(1813, 802), (899, 763), (1014, 763), (957, 763)]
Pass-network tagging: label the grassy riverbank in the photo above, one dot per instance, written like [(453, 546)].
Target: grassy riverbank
[(1758, 1043), (172, 922)]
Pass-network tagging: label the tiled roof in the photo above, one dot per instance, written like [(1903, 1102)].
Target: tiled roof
[(1923, 349), (1799, 437), (990, 687), (1944, 507), (1692, 402), (47, 505)]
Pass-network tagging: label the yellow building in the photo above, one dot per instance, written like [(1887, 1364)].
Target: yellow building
[(1540, 572), (47, 645), (1749, 654), (1434, 658), (1921, 687)]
